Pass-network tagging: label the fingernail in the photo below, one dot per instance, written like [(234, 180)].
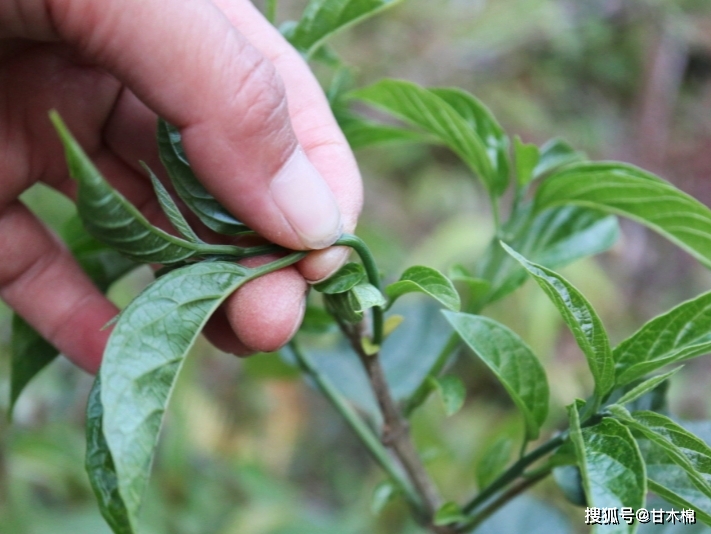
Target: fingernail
[(307, 202), (323, 263)]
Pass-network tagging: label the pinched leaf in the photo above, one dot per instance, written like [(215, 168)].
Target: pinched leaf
[(554, 154), (513, 363), (423, 108), (425, 280), (189, 189), (526, 157), (112, 219), (611, 467), (100, 466), (581, 318), (629, 191), (482, 121), (552, 238), (681, 333), (646, 386), (144, 355), (347, 277), (170, 208), (323, 18)]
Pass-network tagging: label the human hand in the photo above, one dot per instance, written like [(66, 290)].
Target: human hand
[(221, 73)]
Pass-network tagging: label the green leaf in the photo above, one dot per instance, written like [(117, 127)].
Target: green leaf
[(581, 318), (513, 363), (425, 280), (493, 462), (317, 320), (364, 296), (482, 121), (345, 279), (694, 449), (646, 386), (570, 482), (555, 154), (112, 219), (425, 109), (552, 238), (631, 192), (679, 334), (452, 392), (669, 444), (672, 482), (189, 189), (323, 18), (30, 354), (144, 355), (170, 208), (100, 466), (448, 514), (526, 157), (362, 133), (611, 466), (383, 493)]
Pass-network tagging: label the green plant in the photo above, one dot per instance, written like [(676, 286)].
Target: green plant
[(550, 207)]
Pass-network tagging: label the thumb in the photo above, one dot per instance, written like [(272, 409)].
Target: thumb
[(190, 65)]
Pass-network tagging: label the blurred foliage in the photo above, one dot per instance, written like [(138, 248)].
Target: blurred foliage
[(248, 448)]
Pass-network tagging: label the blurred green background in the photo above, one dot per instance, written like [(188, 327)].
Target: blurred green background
[(248, 448)]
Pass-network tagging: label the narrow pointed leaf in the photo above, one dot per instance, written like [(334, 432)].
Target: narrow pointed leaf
[(423, 108), (448, 514), (170, 208), (513, 363), (679, 334), (678, 462), (555, 154), (144, 355), (673, 482), (552, 238), (100, 466), (482, 121), (631, 192), (611, 467), (581, 318), (362, 133), (323, 18), (112, 219), (646, 386), (189, 189), (425, 280)]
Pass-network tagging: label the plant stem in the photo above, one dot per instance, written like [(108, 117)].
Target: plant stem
[(504, 498), (364, 433), (371, 270), (396, 431), (206, 249), (513, 472)]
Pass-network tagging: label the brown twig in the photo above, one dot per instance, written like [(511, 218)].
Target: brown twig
[(396, 430)]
